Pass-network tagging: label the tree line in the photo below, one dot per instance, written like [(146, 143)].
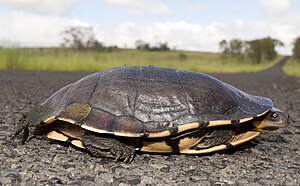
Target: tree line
[(141, 45), (257, 50), (82, 38)]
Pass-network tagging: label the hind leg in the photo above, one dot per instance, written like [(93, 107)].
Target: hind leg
[(108, 148)]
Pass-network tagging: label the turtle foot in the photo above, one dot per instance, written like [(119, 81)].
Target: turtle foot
[(215, 138), (108, 148)]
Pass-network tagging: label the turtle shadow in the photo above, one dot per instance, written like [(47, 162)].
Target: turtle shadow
[(68, 145)]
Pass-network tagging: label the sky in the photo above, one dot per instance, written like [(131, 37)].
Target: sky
[(196, 25)]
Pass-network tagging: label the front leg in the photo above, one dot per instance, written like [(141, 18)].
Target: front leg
[(107, 147)]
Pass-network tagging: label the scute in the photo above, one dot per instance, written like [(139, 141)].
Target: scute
[(152, 101), (78, 92)]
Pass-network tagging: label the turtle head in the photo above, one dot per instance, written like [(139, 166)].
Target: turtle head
[(31, 119), (273, 120)]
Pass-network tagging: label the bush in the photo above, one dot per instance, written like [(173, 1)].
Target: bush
[(182, 57), (296, 49), (13, 56)]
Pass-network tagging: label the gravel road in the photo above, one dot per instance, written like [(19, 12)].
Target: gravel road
[(273, 158)]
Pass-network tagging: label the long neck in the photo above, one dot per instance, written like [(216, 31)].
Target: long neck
[(262, 124)]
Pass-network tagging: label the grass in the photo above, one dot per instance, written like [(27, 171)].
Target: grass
[(292, 67), (70, 60)]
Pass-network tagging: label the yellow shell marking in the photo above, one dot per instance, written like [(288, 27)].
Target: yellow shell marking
[(161, 147), (57, 136), (49, 120), (237, 140), (78, 143)]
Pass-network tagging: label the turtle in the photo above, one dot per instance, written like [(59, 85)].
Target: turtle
[(117, 112)]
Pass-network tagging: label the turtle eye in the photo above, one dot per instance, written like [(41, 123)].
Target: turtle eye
[(275, 115)]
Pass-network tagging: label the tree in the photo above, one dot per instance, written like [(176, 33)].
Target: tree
[(278, 42), (236, 48), (264, 48), (163, 47), (141, 45), (94, 44), (296, 49), (223, 45), (79, 38), (254, 51), (257, 50)]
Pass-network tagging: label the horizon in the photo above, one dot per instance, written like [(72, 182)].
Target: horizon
[(190, 25)]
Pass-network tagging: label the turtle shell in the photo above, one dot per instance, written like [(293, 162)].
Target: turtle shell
[(140, 101)]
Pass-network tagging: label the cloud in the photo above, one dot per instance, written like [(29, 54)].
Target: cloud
[(140, 7), (196, 6), (180, 34), (275, 7), (45, 30), (189, 36), (55, 7), (34, 30)]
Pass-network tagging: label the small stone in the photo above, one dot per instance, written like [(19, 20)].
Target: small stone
[(106, 177), (54, 181)]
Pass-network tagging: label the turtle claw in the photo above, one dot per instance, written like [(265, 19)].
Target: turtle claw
[(130, 158), (108, 147), (117, 156), (123, 152), (129, 155)]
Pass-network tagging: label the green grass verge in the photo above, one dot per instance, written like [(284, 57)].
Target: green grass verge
[(69, 60), (292, 67)]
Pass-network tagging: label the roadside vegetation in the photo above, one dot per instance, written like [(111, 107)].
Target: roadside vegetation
[(81, 50), (292, 67), (91, 60)]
